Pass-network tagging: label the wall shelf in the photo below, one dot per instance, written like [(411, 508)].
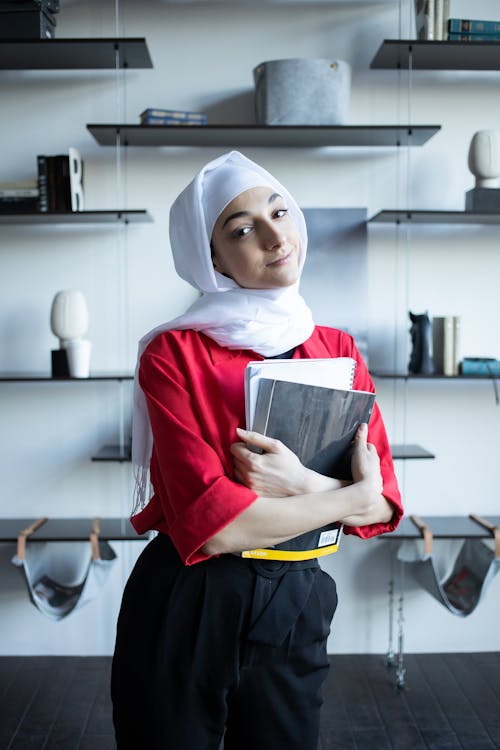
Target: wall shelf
[(70, 530), (434, 217), (275, 136), (443, 527), (140, 216), (7, 377), (399, 452), (410, 452), (411, 376), (74, 54), (437, 55), (113, 453)]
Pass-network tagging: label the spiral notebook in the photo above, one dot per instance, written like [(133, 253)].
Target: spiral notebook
[(332, 372)]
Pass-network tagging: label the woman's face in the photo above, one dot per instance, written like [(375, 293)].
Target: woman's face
[(255, 242)]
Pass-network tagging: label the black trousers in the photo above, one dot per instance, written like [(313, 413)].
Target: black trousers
[(227, 648)]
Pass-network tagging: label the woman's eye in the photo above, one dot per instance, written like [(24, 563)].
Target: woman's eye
[(280, 212), (241, 231)]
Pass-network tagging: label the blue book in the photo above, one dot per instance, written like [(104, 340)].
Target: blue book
[(452, 37), (171, 121), (466, 26), (484, 366)]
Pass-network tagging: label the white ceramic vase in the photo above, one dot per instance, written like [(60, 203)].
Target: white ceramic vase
[(69, 317), (484, 158)]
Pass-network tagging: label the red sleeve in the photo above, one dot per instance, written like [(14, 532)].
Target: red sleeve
[(198, 498), (377, 435)]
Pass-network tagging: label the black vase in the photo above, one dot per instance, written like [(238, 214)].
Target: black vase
[(421, 339)]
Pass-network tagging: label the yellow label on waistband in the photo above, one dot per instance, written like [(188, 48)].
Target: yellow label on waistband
[(284, 554)]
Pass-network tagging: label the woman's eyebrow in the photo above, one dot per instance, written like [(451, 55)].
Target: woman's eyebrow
[(237, 214)]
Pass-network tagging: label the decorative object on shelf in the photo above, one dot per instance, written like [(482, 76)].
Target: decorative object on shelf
[(78, 354), (484, 163), (421, 339), (301, 91), (29, 20), (445, 344), (63, 576), (69, 320)]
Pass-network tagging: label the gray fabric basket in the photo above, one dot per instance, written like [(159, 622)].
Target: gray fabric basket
[(302, 92)]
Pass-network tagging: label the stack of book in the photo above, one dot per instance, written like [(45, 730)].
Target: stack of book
[(439, 20), (467, 30), (446, 344), (172, 117), (28, 19), (18, 197), (60, 182)]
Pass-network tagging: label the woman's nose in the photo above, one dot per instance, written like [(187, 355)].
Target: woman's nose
[(273, 237)]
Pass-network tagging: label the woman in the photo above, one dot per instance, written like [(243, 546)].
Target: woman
[(211, 644)]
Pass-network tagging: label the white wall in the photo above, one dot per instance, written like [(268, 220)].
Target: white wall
[(203, 58)]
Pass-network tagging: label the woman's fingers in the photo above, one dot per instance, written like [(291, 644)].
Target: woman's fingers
[(255, 439)]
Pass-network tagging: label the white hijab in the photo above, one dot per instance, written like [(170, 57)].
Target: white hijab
[(267, 321)]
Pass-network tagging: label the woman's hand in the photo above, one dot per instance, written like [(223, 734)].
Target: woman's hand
[(275, 471), (365, 463)]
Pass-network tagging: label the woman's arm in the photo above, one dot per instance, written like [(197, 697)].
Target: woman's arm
[(297, 500)]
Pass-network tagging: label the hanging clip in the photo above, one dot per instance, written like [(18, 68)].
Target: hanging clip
[(21, 539), (94, 539), (425, 532), (495, 531)]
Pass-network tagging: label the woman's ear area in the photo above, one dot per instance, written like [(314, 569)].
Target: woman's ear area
[(214, 257)]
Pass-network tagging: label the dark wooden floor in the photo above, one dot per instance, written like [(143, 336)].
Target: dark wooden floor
[(450, 702)]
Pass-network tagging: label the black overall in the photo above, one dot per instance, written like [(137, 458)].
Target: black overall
[(229, 647)]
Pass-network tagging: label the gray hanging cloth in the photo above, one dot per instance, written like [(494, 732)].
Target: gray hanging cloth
[(462, 588), (62, 577)]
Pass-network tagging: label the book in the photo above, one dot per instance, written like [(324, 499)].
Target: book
[(150, 120), (471, 26), (60, 182), (439, 25), (332, 372), (424, 19), (480, 366), (179, 115), (318, 424), (454, 37), (18, 205), (445, 344)]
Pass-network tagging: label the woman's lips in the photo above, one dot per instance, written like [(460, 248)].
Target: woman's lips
[(281, 260)]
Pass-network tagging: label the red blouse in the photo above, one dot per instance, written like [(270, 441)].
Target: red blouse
[(195, 397)]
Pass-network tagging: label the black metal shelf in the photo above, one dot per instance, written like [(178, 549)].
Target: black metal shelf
[(19, 377), (121, 455), (70, 530), (410, 452), (443, 527), (113, 453), (437, 55), (139, 216), (433, 217), (74, 54), (275, 136), (411, 376)]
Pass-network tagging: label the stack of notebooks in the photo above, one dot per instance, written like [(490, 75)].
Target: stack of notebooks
[(310, 406), (172, 117), (28, 19)]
